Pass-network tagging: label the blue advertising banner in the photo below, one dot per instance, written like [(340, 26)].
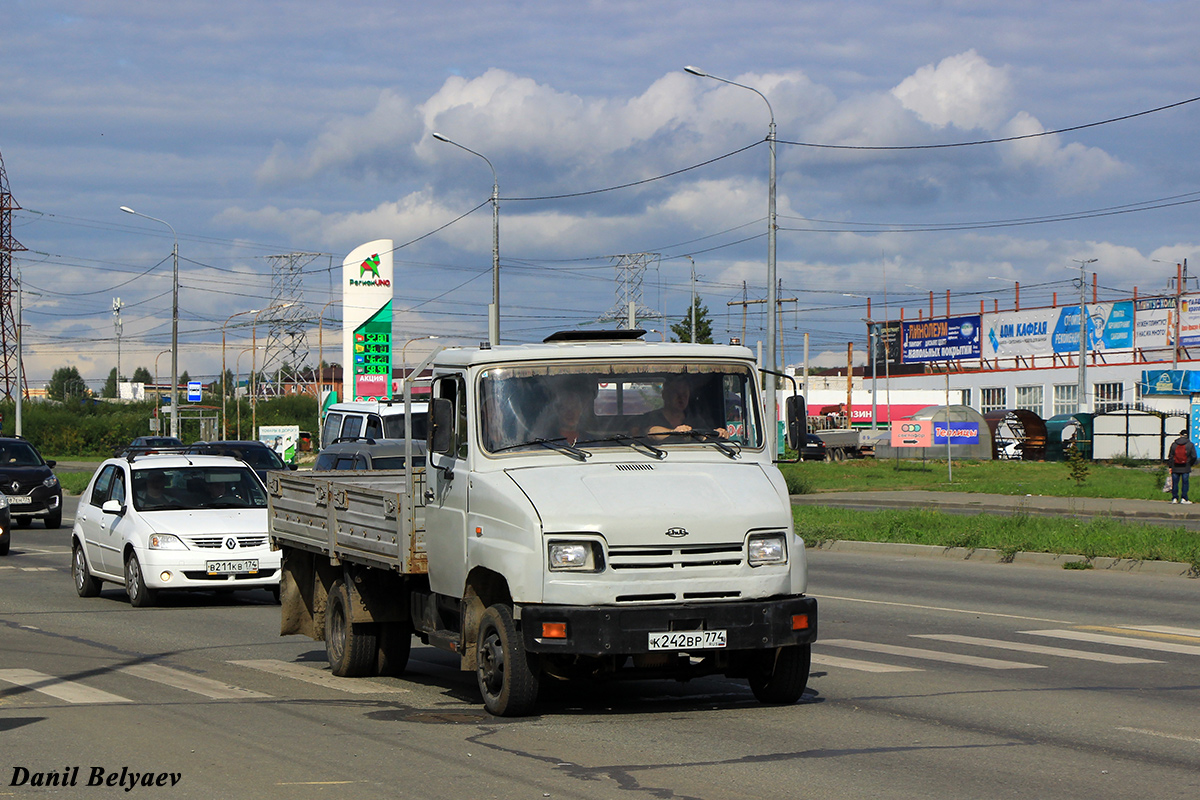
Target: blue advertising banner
[(951, 339), (1180, 382), (959, 432)]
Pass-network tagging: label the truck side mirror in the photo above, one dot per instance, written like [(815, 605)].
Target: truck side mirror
[(796, 411), (441, 426)]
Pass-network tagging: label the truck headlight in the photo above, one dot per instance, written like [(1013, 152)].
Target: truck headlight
[(166, 541), (574, 557), (766, 548)]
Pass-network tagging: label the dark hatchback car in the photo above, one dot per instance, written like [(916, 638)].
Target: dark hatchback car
[(30, 485), (366, 453), (256, 455)]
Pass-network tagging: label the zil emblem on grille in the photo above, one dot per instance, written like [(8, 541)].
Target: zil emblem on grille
[(677, 533)]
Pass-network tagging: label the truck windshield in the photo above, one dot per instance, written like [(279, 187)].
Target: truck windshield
[(662, 405)]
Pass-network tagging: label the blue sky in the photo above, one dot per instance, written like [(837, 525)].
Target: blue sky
[(259, 130)]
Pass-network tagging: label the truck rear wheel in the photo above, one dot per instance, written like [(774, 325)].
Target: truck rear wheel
[(349, 646), (507, 681), (395, 643), (782, 674)]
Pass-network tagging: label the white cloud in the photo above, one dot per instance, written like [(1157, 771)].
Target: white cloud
[(963, 90), (1072, 167)]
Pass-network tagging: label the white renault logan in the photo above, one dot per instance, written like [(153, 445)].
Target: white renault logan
[(154, 522)]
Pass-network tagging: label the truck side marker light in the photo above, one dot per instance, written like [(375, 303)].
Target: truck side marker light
[(800, 622), (478, 532), (554, 630)]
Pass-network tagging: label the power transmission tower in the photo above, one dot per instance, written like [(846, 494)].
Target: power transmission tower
[(11, 378), (631, 272), (287, 338)]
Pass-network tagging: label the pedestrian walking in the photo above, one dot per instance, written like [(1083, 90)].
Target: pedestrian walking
[(1181, 457)]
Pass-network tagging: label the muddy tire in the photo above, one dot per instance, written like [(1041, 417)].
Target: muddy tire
[(507, 681), (781, 675), (393, 648), (349, 646)]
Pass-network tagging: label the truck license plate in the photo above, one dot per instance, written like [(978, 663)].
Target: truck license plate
[(687, 640), (245, 566)]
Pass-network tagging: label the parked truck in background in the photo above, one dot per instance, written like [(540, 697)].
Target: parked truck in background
[(547, 542)]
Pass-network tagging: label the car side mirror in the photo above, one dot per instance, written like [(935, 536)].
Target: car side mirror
[(113, 507), (797, 421), (50, 463)]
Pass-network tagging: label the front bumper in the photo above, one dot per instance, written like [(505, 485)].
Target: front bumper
[(41, 502), (188, 569), (612, 630)]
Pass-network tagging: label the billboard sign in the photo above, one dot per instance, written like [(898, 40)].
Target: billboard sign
[(950, 339), (956, 432), (912, 433), (367, 327)]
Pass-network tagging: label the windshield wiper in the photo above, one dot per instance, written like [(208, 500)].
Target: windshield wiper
[(638, 443), (559, 444), (708, 437)]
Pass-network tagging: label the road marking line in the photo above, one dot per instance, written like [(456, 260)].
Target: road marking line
[(940, 608), (1162, 734), (1035, 648), (861, 666), (67, 691), (1183, 633), (214, 690), (1123, 641), (929, 655), (320, 677)]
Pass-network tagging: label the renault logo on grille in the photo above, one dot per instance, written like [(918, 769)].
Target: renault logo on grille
[(16, 487), (231, 543), (676, 533)]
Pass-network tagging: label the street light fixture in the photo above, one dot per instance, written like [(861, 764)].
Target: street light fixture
[(174, 319), (772, 289), (494, 311), (404, 356)]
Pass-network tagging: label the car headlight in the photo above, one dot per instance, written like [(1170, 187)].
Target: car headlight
[(50, 482), (3, 500), (166, 541), (575, 556), (768, 548)]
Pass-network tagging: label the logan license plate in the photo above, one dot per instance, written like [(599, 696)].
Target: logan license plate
[(687, 640), (246, 566)]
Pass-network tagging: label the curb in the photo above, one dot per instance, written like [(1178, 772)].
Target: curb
[(984, 555)]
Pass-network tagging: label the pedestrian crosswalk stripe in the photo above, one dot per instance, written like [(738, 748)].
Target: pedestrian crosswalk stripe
[(188, 682), (1192, 633), (861, 666), (1123, 641), (67, 691), (929, 655), (320, 677), (1024, 647)]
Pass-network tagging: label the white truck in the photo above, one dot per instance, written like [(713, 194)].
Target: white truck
[(558, 531)]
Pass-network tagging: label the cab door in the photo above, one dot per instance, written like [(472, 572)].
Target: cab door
[(446, 501)]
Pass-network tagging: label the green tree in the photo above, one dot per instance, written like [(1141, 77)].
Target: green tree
[(110, 384), (682, 331), (184, 378), (142, 375), (66, 382)]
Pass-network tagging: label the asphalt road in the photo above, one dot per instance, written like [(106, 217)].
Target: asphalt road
[(931, 679)]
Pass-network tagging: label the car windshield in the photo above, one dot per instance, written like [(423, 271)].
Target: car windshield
[(19, 454), (184, 488), (659, 404)]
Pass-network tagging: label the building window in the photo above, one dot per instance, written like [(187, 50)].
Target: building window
[(966, 397), (1108, 396), (1066, 398), (994, 399), (1030, 398)]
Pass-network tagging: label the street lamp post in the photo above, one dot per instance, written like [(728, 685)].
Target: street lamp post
[(404, 355), (1083, 333), (236, 375), (321, 369), (174, 320), (494, 311), (157, 396), (772, 289), (224, 387)]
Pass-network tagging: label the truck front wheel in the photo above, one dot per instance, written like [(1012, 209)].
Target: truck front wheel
[(349, 647), (780, 675), (507, 681)]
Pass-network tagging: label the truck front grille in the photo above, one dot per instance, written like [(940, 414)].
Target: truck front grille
[(642, 557)]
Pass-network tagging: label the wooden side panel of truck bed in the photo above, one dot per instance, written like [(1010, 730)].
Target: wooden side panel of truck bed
[(364, 517)]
